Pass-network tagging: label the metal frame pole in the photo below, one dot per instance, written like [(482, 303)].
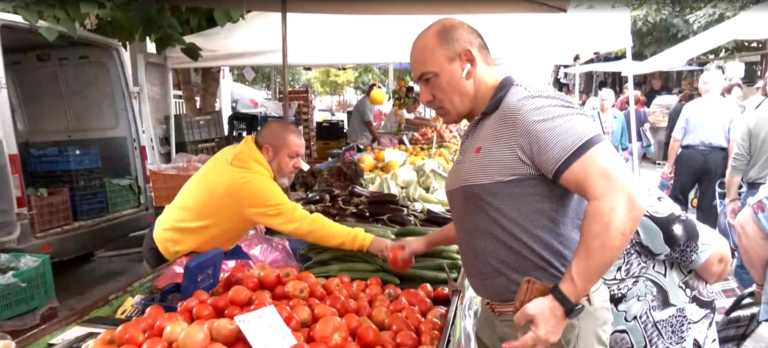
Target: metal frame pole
[(284, 14), (633, 122)]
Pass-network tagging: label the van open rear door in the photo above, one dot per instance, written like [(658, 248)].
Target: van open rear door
[(11, 188)]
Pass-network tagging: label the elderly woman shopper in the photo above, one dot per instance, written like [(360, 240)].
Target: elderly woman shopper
[(641, 121), (611, 122)]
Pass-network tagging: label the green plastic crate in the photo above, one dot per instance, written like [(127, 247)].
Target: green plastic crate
[(122, 194), (37, 290)]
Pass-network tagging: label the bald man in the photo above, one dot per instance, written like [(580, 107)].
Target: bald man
[(241, 187), (538, 196)]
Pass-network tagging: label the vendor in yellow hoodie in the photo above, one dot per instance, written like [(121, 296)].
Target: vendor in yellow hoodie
[(239, 188)]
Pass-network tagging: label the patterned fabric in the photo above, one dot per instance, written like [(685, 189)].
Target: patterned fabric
[(512, 218), (657, 298)]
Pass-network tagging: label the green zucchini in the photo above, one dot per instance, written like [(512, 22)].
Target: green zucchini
[(337, 255), (413, 231), (443, 255), (447, 248), (423, 276), (438, 266), (385, 277), (346, 267)]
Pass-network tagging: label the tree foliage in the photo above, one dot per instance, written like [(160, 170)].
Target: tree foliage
[(126, 21), (364, 76), (331, 81)]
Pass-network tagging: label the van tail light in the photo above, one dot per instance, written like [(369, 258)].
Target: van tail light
[(17, 181), (144, 164)]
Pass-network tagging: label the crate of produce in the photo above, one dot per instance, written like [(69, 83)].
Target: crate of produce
[(196, 128), (89, 205), (122, 194), (33, 289), (208, 147), (322, 147), (167, 184), (64, 158), (49, 209), (241, 125), (77, 181)]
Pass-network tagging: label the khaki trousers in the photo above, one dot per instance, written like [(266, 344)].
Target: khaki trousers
[(592, 329)]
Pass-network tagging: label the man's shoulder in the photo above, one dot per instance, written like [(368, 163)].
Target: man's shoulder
[(523, 96)]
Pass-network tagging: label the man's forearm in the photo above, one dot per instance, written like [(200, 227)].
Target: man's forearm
[(372, 131), (445, 236), (753, 243), (674, 147), (732, 183), (608, 226)]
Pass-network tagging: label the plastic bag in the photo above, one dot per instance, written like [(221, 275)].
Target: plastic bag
[(665, 183), (275, 252), (467, 319)]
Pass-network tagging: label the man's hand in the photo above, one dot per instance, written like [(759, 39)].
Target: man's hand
[(546, 319), (669, 170), (732, 209), (380, 247), (626, 156), (413, 247)]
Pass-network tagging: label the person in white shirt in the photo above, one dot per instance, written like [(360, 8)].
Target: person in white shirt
[(405, 116)]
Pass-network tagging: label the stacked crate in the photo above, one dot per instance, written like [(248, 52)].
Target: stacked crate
[(77, 168), (304, 116), (122, 194), (331, 135), (197, 135)]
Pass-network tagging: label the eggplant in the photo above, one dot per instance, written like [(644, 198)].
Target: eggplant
[(347, 201), (361, 212), (329, 211), (401, 220), (437, 218), (336, 202), (388, 198), (384, 209), (352, 218), (428, 225), (359, 192), (331, 192), (316, 198)]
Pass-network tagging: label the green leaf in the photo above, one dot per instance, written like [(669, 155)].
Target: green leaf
[(29, 16), (69, 25), (236, 14), (60, 13), (73, 8), (88, 7), (221, 16), (49, 33), (191, 52)]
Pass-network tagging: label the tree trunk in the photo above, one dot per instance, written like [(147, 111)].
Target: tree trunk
[(209, 81), (187, 91)]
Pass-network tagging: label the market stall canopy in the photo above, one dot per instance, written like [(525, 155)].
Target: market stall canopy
[(390, 7), (749, 25), (314, 39), (621, 66)]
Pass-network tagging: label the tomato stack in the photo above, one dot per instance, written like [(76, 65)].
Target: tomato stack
[(321, 313)]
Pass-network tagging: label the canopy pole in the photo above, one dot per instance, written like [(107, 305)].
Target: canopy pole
[(632, 120), (284, 14)]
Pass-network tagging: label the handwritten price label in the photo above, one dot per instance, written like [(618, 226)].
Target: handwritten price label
[(265, 329)]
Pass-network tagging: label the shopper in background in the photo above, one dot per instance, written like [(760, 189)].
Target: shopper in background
[(756, 101), (623, 102), (528, 197), (361, 129), (734, 91), (612, 123), (240, 187), (704, 133), (657, 88), (752, 233), (641, 121), (592, 105), (672, 117), (405, 116)]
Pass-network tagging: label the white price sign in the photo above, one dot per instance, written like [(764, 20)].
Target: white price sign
[(265, 329)]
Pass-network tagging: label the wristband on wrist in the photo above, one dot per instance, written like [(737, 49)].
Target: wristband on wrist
[(733, 200)]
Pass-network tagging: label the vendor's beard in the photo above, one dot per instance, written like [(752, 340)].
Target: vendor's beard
[(283, 181)]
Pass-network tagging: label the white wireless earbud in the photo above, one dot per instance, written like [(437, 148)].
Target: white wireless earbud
[(466, 70)]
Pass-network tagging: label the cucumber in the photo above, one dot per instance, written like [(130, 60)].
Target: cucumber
[(346, 267), (385, 277), (447, 248), (369, 226), (413, 231), (431, 277), (437, 266), (443, 255), (333, 256)]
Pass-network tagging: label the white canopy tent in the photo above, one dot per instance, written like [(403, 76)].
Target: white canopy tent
[(623, 66), (749, 25)]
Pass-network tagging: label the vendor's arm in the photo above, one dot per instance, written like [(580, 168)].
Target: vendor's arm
[(580, 159), (367, 118), (272, 208), (419, 122)]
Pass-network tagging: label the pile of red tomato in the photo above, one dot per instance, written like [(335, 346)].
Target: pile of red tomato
[(321, 313)]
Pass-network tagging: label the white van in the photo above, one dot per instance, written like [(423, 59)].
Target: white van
[(69, 92)]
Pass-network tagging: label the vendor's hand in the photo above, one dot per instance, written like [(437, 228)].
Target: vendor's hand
[(413, 247), (546, 319), (380, 247), (732, 209)]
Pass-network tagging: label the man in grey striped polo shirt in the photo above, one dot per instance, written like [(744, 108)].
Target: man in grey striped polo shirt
[(536, 191)]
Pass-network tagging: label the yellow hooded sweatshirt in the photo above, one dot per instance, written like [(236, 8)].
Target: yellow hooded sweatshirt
[(233, 192)]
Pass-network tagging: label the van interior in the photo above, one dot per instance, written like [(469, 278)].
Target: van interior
[(70, 93)]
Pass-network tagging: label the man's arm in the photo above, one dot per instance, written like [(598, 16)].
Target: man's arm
[(677, 137), (372, 131), (753, 245), (739, 160)]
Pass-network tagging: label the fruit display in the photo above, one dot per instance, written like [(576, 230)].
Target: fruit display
[(358, 205), (427, 268), (443, 132), (337, 312)]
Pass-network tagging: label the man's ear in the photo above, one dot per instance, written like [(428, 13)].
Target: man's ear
[(268, 152)]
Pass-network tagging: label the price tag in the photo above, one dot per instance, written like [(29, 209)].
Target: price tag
[(265, 329), (434, 143), (304, 166), (395, 155), (405, 140)]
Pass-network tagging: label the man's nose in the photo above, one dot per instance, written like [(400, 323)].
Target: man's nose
[(425, 97)]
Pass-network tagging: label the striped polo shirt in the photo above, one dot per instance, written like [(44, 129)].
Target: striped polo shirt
[(512, 218)]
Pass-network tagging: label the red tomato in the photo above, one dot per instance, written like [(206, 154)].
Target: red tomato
[(297, 289), (234, 277), (122, 333), (241, 343), (400, 324), (292, 321), (363, 308), (300, 345), (331, 331), (317, 345), (374, 281), (287, 274), (135, 337), (388, 343), (439, 314), (201, 295), (232, 311), (155, 342), (338, 303), (279, 293), (360, 285), (414, 319), (398, 305), (216, 345), (305, 334), (107, 337), (160, 326), (392, 291), (262, 295), (427, 290), (429, 325), (373, 290), (408, 310), (239, 296), (154, 311), (316, 291), (269, 279), (219, 304), (194, 336), (380, 302), (259, 269), (351, 290), (351, 344), (251, 282), (352, 322), (394, 259), (442, 295), (352, 306), (413, 296), (219, 289), (312, 302), (296, 302), (379, 315), (424, 305), (368, 336), (144, 324), (345, 279), (304, 314), (332, 285), (225, 331), (188, 305), (307, 277), (186, 317), (203, 311), (388, 335), (430, 338), (297, 336), (322, 311), (406, 339)]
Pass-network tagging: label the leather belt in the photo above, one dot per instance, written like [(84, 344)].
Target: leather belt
[(498, 308), (754, 186), (704, 147)]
